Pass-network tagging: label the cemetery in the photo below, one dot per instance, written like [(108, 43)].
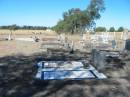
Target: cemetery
[(102, 48), (62, 59), (74, 48)]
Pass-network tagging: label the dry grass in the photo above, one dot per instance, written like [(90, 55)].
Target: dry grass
[(46, 32), (27, 32), (8, 48), (18, 76), (26, 48)]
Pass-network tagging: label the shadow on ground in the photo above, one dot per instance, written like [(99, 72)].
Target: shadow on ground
[(17, 79)]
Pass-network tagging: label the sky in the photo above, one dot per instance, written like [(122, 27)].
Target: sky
[(49, 12)]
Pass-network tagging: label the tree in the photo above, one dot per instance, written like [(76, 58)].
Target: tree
[(76, 20), (100, 29), (112, 29), (120, 29), (15, 27), (71, 21), (94, 11)]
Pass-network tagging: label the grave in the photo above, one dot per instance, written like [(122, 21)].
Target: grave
[(103, 59), (60, 70), (51, 43), (102, 41), (60, 42)]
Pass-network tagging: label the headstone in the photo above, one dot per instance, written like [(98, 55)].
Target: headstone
[(113, 44), (94, 55), (84, 37), (9, 37), (101, 60), (98, 59), (62, 37), (125, 36), (127, 44), (125, 41)]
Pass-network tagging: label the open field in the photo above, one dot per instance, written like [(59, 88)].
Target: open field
[(17, 72), (27, 32), (22, 47), (18, 47)]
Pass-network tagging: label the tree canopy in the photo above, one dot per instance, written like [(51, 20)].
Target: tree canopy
[(15, 27), (76, 20), (112, 29), (120, 29), (100, 29)]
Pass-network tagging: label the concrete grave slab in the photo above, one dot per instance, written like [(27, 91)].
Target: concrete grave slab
[(59, 70)]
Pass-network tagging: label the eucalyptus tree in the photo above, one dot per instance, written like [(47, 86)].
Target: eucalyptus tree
[(77, 20)]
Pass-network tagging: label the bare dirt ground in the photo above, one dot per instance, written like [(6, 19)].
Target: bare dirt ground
[(17, 72)]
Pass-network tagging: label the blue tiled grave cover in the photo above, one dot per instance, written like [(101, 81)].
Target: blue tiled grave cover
[(58, 70)]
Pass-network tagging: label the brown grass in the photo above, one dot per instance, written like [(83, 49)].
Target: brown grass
[(17, 78), (27, 32)]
